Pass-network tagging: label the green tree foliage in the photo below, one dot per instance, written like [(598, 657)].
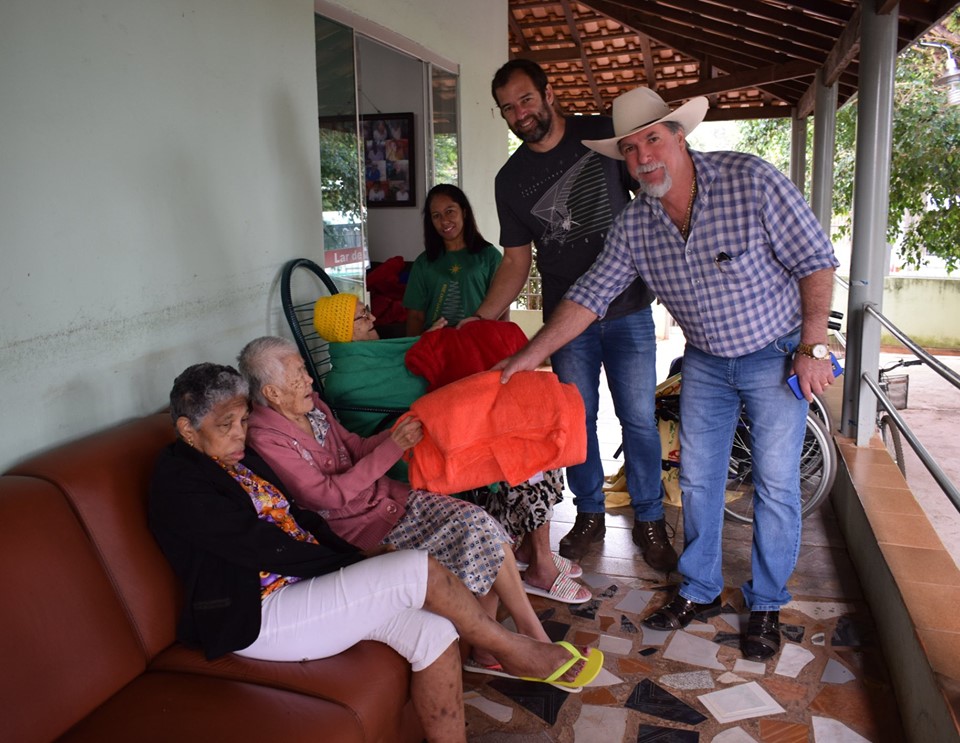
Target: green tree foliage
[(446, 158), (340, 171), (340, 184), (924, 214)]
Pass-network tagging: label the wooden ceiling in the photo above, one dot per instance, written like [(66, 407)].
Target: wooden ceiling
[(752, 58)]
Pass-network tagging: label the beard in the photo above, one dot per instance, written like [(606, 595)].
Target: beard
[(654, 190), (544, 119)]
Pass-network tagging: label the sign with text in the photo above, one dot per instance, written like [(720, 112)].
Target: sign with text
[(342, 257)]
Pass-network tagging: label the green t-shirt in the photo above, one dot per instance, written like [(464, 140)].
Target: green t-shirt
[(453, 286)]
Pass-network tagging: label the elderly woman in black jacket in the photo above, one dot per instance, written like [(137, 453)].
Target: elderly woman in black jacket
[(268, 580)]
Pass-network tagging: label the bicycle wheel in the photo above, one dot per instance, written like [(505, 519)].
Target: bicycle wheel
[(891, 439), (818, 470)]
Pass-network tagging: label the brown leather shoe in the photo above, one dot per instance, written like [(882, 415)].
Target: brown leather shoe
[(587, 529), (651, 538)]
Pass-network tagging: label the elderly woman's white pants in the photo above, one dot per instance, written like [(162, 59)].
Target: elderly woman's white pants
[(376, 599)]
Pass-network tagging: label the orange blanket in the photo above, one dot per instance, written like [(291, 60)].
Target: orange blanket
[(477, 431)]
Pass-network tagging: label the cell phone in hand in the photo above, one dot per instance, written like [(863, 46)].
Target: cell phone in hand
[(795, 384)]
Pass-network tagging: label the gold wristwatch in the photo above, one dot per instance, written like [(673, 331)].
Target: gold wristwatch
[(814, 350)]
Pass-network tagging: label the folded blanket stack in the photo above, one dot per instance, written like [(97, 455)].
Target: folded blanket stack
[(478, 430)]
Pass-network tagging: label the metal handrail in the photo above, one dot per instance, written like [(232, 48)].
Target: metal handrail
[(928, 461), (938, 366), (949, 489)]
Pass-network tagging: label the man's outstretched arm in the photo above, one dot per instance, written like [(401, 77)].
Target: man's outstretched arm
[(566, 323), (511, 275)]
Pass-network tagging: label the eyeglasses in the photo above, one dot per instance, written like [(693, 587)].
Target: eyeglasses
[(365, 315)]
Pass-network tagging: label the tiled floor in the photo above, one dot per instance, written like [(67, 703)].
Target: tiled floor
[(829, 684)]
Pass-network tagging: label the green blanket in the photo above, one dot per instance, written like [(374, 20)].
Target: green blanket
[(371, 374)]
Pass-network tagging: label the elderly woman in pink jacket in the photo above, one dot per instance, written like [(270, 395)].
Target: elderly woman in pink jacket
[(342, 476)]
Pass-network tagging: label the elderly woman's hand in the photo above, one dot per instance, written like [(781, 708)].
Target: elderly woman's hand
[(407, 432), (440, 323)]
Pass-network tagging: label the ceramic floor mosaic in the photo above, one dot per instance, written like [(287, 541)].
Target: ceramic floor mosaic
[(828, 684)]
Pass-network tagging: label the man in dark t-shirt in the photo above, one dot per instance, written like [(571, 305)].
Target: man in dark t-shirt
[(556, 193)]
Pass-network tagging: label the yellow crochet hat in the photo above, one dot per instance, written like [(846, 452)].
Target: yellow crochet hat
[(333, 317)]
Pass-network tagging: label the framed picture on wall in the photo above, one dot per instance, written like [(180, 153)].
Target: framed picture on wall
[(388, 159)]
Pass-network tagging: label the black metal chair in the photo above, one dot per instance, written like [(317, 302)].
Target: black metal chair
[(299, 315), (312, 281)]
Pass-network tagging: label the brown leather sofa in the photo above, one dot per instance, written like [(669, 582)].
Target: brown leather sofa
[(87, 645)]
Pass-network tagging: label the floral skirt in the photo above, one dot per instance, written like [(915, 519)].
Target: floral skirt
[(461, 536), (528, 506)]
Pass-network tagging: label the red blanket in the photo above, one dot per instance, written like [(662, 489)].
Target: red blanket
[(446, 355), (478, 430), (386, 292)]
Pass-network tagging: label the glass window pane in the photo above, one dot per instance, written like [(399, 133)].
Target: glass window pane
[(446, 140), (344, 217)]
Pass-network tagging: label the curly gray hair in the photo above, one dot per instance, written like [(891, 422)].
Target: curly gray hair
[(202, 386)]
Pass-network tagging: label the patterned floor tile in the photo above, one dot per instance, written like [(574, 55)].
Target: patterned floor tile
[(543, 700), (651, 699), (778, 731), (600, 724), (688, 680), (656, 734)]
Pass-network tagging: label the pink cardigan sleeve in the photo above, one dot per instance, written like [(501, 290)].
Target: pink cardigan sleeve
[(358, 446), (309, 471)]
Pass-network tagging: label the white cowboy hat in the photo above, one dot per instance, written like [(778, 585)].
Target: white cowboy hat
[(641, 108)]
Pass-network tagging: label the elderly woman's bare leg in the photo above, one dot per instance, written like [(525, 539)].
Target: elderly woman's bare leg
[(437, 694), (542, 571), (509, 588), (520, 655)]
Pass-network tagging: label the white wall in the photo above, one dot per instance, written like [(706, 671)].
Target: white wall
[(472, 33), (159, 163)]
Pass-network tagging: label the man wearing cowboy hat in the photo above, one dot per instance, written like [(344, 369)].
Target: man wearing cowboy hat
[(556, 193), (730, 247)]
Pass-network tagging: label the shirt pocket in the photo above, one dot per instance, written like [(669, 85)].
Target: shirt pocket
[(748, 271)]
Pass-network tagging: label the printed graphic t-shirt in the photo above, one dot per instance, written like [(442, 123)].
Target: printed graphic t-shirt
[(564, 201)]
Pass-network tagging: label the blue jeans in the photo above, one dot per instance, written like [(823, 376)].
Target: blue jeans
[(711, 396), (627, 349)]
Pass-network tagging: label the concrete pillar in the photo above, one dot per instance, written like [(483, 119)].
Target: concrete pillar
[(824, 148), (871, 198)]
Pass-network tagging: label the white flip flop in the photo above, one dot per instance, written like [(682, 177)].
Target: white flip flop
[(564, 589), (565, 566)]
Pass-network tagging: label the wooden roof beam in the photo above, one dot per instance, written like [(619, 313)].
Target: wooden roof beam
[(547, 56), (740, 80), (587, 67), (518, 33), (838, 59), (646, 48)]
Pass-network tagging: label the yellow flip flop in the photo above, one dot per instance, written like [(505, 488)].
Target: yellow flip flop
[(594, 662)]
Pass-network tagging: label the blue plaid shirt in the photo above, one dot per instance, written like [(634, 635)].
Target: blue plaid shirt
[(732, 286)]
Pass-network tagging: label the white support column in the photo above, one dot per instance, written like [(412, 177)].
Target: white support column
[(824, 148), (798, 152), (871, 198)]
